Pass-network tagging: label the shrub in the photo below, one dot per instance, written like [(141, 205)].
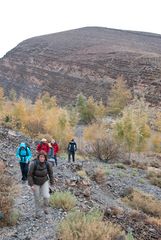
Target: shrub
[(104, 149), (82, 173), (81, 226), (156, 143), (99, 175), (119, 96), (64, 200), (154, 221), (132, 129), (147, 203), (8, 191), (14, 215), (88, 109), (154, 175)]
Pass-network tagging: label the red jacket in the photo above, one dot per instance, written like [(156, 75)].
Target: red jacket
[(55, 147), (43, 146)]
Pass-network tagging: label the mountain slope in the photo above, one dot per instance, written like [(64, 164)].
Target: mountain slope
[(84, 60)]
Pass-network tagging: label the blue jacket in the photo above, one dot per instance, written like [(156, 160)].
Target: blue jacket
[(23, 153)]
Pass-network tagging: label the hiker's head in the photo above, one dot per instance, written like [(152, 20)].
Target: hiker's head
[(43, 140), (53, 141), (22, 145), (72, 140), (42, 156)]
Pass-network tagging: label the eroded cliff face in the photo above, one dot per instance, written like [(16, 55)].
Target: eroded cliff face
[(86, 60)]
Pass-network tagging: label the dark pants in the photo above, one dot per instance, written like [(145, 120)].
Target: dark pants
[(71, 154), (24, 170)]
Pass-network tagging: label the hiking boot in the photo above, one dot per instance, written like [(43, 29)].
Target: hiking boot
[(46, 204), (46, 211)]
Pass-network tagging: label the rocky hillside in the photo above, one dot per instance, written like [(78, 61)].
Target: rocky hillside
[(84, 60), (91, 190)]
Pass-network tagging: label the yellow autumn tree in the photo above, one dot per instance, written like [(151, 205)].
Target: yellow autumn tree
[(19, 113), (89, 110), (119, 96), (94, 132), (156, 137), (132, 130)]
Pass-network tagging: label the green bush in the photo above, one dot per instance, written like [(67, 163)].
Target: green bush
[(81, 226), (64, 200)]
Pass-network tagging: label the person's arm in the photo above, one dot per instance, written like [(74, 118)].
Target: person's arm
[(68, 148), (50, 173), (31, 174), (38, 148), (17, 153)]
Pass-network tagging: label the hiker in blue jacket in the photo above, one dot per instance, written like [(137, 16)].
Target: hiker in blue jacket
[(24, 155)]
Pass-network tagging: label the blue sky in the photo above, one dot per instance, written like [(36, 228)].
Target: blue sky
[(22, 19)]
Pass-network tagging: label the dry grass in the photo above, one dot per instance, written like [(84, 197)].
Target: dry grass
[(99, 175), (2, 167), (81, 226), (144, 202), (139, 165), (154, 221), (135, 214), (82, 173), (64, 200), (8, 191), (154, 175)]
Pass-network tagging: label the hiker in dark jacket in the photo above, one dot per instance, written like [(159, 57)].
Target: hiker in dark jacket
[(24, 155), (39, 175), (72, 148)]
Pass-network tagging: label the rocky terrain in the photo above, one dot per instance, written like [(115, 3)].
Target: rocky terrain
[(104, 194), (86, 60)]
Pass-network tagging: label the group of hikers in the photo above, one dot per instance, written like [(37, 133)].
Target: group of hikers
[(39, 172)]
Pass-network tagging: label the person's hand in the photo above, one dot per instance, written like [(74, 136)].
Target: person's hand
[(33, 188)]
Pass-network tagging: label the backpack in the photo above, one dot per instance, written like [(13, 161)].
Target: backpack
[(47, 166), (36, 164), (26, 149)]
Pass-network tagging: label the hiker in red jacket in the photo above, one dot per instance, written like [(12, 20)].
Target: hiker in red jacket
[(55, 150), (43, 146)]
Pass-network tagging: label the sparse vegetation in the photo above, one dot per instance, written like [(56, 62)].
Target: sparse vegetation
[(64, 200), (99, 175), (82, 173), (41, 117), (88, 109), (81, 226), (132, 129), (119, 96), (8, 191), (154, 175), (101, 144), (144, 202), (156, 142)]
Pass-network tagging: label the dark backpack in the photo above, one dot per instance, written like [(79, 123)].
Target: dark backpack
[(26, 149), (47, 166), (36, 162)]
